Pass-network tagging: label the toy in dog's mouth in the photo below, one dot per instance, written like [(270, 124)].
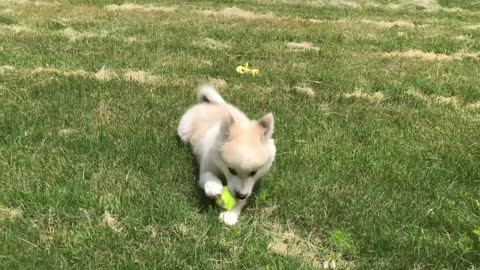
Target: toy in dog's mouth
[(226, 200)]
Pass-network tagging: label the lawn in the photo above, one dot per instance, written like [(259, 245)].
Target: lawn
[(377, 120)]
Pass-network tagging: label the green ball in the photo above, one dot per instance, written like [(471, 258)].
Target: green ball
[(226, 201)]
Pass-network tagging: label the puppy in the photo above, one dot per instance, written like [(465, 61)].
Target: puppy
[(228, 145)]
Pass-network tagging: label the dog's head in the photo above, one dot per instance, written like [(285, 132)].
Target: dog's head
[(246, 154)]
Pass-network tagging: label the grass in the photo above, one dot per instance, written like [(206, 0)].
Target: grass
[(92, 175)]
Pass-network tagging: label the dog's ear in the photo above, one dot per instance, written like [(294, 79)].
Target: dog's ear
[(227, 122), (266, 125)]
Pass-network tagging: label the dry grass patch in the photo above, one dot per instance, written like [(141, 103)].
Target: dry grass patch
[(388, 24), (290, 244), (10, 213), (109, 221), (431, 56), (104, 113), (286, 242), (105, 75), (427, 5), (454, 101), (6, 68), (434, 99), (146, 8), (462, 38), (219, 84), (359, 94), (68, 73), (28, 2), (331, 3), (474, 106), (45, 70), (75, 35), (304, 90), (302, 46), (472, 27), (235, 12), (17, 29), (214, 44), (66, 131), (140, 76), (428, 56)]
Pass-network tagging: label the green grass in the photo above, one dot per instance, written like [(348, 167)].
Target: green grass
[(389, 184)]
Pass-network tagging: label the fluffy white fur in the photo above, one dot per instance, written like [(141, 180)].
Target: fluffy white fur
[(227, 145)]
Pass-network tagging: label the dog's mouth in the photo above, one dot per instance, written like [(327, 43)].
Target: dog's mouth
[(241, 196)]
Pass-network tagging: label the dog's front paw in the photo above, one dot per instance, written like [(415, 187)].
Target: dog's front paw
[(229, 218), (213, 189)]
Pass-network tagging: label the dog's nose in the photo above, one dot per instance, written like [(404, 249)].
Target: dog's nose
[(240, 196)]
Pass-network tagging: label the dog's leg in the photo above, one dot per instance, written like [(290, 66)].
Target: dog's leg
[(231, 217), (210, 183)]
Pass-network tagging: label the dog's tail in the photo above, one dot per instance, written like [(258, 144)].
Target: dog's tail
[(208, 94)]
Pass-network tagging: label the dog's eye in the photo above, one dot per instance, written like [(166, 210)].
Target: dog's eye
[(232, 171), (252, 173)]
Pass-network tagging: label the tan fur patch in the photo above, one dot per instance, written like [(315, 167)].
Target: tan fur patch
[(389, 24), (301, 46), (235, 12), (140, 77), (250, 136), (305, 90), (148, 8), (359, 94), (10, 213)]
